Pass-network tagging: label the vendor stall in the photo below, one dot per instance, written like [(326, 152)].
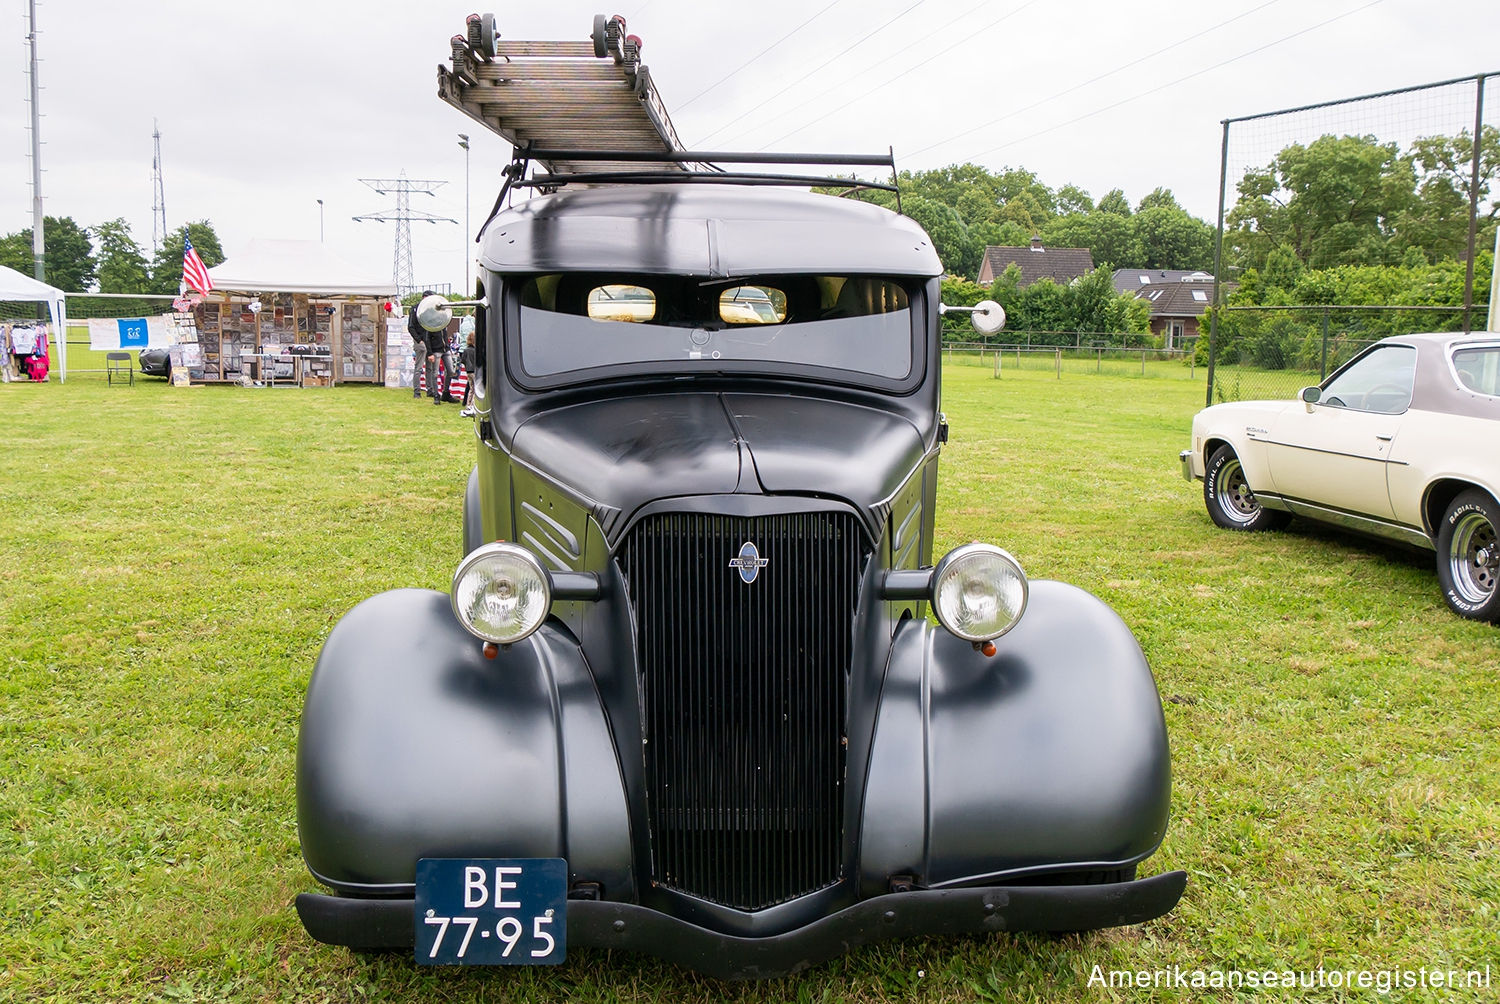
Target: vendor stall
[(282, 309), (18, 287)]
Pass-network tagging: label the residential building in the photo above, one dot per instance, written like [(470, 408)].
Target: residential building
[(1178, 299), (1061, 265)]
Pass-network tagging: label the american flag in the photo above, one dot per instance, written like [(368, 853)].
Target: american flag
[(194, 272)]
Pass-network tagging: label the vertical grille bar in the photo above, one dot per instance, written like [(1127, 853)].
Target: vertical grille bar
[(744, 689)]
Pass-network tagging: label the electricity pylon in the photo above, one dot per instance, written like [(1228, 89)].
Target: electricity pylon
[(402, 216)]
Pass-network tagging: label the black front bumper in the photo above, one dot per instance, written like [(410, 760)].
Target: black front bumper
[(389, 923)]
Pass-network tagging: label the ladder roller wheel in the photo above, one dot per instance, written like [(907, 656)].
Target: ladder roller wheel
[(489, 37), (601, 42)]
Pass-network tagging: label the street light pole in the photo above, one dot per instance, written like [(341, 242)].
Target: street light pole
[(463, 141), (320, 221)]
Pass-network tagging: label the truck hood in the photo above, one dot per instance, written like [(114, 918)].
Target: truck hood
[(623, 453)]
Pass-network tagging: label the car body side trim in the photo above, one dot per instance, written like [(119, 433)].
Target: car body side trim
[(1348, 520), (1337, 453)]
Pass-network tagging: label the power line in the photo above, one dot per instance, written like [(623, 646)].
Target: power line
[(936, 31), (1109, 73), (758, 55), (1174, 83), (964, 39), (844, 52)]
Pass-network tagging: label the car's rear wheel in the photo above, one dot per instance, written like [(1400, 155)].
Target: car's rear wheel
[(1468, 556), (1231, 504)]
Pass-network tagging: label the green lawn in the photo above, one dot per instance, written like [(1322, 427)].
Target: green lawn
[(171, 560)]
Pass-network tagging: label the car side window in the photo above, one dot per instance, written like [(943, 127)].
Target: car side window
[(1479, 369), (1380, 381)]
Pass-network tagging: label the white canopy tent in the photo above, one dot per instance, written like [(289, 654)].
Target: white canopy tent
[(295, 267), (18, 286)]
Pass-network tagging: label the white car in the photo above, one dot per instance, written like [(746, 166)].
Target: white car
[(1402, 442)]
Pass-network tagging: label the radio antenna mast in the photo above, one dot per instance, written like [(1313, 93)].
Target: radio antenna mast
[(158, 194)]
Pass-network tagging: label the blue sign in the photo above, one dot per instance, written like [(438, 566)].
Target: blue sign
[(491, 911), (133, 333)]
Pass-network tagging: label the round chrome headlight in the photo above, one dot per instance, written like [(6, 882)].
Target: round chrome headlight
[(501, 593), (978, 592)]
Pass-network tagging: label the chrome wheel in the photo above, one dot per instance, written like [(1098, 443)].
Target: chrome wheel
[(1234, 495), (1474, 558)]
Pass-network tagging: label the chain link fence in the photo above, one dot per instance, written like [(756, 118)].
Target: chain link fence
[(1348, 221)]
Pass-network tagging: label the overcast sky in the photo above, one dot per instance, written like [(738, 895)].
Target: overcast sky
[(265, 108)]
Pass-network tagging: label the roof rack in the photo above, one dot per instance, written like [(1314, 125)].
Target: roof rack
[(672, 167)]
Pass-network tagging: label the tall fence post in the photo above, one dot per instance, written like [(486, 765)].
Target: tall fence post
[(1213, 314), (1474, 203), (1323, 367), (1059, 364)]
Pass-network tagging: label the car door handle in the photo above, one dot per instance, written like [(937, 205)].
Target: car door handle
[(1385, 439)]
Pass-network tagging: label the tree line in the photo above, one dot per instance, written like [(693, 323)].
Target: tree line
[(1347, 221), (107, 259)]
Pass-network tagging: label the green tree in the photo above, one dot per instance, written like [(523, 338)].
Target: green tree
[(69, 255), (1168, 237), (122, 263), (956, 249), (1094, 306), (166, 267), (1109, 236), (122, 269), (1334, 201), (1438, 220), (1114, 201), (1072, 199), (1159, 198)]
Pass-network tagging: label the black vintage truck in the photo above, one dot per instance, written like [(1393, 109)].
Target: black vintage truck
[(685, 697)]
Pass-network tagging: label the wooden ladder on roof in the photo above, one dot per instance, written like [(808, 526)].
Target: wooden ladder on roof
[(561, 95)]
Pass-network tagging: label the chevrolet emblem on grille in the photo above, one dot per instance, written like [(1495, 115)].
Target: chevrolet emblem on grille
[(748, 562)]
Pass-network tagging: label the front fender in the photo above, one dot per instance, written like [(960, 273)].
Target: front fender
[(1049, 756), (413, 744)]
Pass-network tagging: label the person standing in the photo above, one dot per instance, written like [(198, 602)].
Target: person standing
[(454, 346), (419, 351), (470, 361), (438, 372)]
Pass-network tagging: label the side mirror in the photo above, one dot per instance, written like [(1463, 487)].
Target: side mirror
[(1310, 396), (987, 316)]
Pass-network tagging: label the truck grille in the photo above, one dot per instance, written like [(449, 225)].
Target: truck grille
[(744, 687)]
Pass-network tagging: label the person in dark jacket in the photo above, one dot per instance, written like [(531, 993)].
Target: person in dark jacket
[(438, 370), (418, 351)]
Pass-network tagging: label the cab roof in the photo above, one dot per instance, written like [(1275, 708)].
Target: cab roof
[(705, 229)]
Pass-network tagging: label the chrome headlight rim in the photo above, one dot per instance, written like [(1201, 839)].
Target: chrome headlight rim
[(953, 559), (523, 556)]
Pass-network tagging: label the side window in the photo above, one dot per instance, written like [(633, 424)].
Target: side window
[(481, 332), (616, 302), (1479, 369), (752, 305), (1379, 381)]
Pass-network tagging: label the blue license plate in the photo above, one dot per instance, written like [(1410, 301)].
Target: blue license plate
[(491, 911)]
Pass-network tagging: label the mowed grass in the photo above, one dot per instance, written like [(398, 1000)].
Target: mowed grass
[(171, 560)]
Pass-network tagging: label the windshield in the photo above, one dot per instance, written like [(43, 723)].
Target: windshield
[(571, 324)]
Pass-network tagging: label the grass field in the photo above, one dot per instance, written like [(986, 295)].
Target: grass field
[(171, 560)]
